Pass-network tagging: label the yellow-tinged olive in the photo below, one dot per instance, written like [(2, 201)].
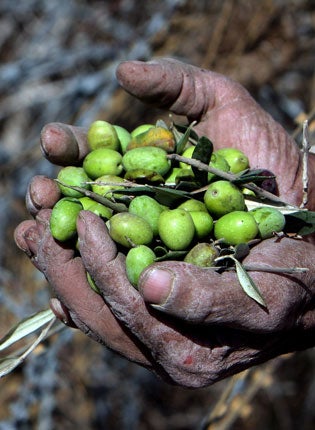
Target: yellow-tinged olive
[(202, 254), (102, 134), (155, 136)]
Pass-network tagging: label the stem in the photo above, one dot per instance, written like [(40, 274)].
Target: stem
[(305, 151)]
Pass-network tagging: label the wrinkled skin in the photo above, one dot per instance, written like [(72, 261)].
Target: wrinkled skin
[(189, 325)]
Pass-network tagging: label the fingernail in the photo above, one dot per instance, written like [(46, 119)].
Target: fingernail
[(156, 286), (61, 312)]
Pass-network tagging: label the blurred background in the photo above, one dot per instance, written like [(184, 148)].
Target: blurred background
[(57, 63)]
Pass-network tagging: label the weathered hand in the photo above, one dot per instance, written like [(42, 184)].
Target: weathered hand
[(204, 327)]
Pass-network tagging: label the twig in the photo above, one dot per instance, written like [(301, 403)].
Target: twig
[(305, 151), (228, 176)]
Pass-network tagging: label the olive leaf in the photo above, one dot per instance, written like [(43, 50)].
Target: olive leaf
[(251, 176), (245, 280), (300, 222), (248, 284), (21, 330), (182, 135), (202, 152), (25, 327)]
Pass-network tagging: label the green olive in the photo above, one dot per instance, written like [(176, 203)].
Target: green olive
[(74, 176), (103, 161), (130, 230), (236, 227), (102, 134), (269, 220), (63, 218), (137, 259), (176, 229), (147, 208), (223, 197), (150, 157)]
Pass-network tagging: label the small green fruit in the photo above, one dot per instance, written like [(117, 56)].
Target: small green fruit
[(91, 205), (124, 137), (150, 157), (137, 259), (92, 283), (63, 218), (203, 223), (110, 184), (176, 229), (236, 227), (103, 161), (102, 134), (202, 254), (269, 220), (74, 176), (147, 208), (236, 159), (218, 162), (223, 197), (130, 230), (193, 205)]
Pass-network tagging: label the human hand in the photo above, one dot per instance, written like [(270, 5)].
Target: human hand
[(200, 333)]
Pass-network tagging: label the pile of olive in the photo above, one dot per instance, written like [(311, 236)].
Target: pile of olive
[(130, 180)]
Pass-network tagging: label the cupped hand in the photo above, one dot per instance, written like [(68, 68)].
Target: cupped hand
[(190, 325)]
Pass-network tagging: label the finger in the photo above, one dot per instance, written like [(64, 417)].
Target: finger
[(225, 111), (19, 235), (87, 310), (42, 193), (205, 296), (168, 84), (168, 347), (61, 312), (64, 144)]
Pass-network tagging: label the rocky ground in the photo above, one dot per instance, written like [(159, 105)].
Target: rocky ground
[(57, 64)]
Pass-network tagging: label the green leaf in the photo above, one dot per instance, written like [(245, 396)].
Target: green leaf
[(300, 222), (248, 284), (8, 364), (182, 135), (26, 327), (202, 152), (251, 176)]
